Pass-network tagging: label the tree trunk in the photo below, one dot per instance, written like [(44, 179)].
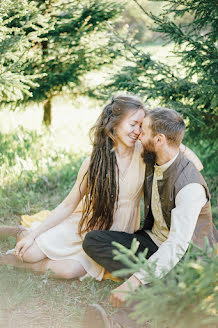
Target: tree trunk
[(47, 112)]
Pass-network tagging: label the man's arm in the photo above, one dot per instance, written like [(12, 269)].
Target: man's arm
[(189, 202)]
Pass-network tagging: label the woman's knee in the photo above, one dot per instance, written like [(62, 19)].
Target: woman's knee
[(29, 257), (33, 254)]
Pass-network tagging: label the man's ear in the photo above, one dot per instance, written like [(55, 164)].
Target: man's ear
[(160, 139)]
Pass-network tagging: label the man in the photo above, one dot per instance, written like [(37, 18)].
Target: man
[(177, 210)]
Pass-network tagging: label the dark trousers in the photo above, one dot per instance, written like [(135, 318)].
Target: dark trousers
[(97, 244)]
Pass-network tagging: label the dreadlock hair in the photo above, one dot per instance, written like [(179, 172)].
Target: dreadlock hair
[(103, 174)]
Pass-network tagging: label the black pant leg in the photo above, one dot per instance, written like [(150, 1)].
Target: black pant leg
[(98, 245)]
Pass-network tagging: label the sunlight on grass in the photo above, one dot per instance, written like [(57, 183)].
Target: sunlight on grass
[(70, 124)]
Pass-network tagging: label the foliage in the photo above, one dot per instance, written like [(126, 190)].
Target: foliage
[(137, 21), (21, 26), (39, 167), (185, 297), (189, 86), (34, 174), (48, 44), (69, 50)]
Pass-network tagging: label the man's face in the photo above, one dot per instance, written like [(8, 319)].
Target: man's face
[(147, 140)]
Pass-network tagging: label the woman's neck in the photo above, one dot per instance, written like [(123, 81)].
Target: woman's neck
[(123, 151)]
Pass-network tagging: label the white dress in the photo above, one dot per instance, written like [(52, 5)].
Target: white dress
[(63, 241)]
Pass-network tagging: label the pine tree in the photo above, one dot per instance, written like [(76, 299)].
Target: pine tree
[(191, 87), (21, 26), (72, 43)]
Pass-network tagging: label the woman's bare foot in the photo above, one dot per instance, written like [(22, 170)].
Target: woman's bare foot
[(14, 231), (65, 269), (9, 260)]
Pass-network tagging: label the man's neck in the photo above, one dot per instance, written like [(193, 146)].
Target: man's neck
[(166, 154)]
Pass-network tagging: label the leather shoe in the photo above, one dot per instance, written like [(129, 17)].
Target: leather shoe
[(96, 317)]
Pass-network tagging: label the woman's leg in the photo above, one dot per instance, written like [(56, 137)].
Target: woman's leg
[(62, 269), (14, 231), (66, 269), (33, 254), (35, 260)]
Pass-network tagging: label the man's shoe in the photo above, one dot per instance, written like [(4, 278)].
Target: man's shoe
[(96, 317)]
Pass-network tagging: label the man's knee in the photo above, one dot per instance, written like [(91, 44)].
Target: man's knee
[(90, 243)]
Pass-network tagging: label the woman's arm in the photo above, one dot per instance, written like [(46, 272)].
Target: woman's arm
[(191, 156), (60, 213)]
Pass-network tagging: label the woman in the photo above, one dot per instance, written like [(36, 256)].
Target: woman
[(106, 195)]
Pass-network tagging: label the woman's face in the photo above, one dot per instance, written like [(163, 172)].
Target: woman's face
[(129, 129)]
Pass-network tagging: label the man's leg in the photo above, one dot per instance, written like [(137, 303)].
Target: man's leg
[(98, 245)]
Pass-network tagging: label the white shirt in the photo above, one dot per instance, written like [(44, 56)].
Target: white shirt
[(188, 204)]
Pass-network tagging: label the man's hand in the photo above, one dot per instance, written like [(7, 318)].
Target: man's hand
[(119, 295)]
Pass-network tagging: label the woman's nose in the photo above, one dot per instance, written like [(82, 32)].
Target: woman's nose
[(137, 130)]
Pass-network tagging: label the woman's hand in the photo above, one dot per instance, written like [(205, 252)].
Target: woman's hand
[(191, 156), (23, 245)]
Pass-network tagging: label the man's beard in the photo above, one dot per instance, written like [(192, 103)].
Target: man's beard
[(149, 156)]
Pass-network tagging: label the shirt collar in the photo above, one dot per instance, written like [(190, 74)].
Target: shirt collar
[(160, 169)]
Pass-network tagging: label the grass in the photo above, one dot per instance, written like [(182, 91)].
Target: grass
[(28, 300)]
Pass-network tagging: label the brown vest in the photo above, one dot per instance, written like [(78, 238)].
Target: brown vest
[(177, 176)]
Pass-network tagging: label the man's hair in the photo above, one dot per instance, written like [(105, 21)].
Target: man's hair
[(169, 122)]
